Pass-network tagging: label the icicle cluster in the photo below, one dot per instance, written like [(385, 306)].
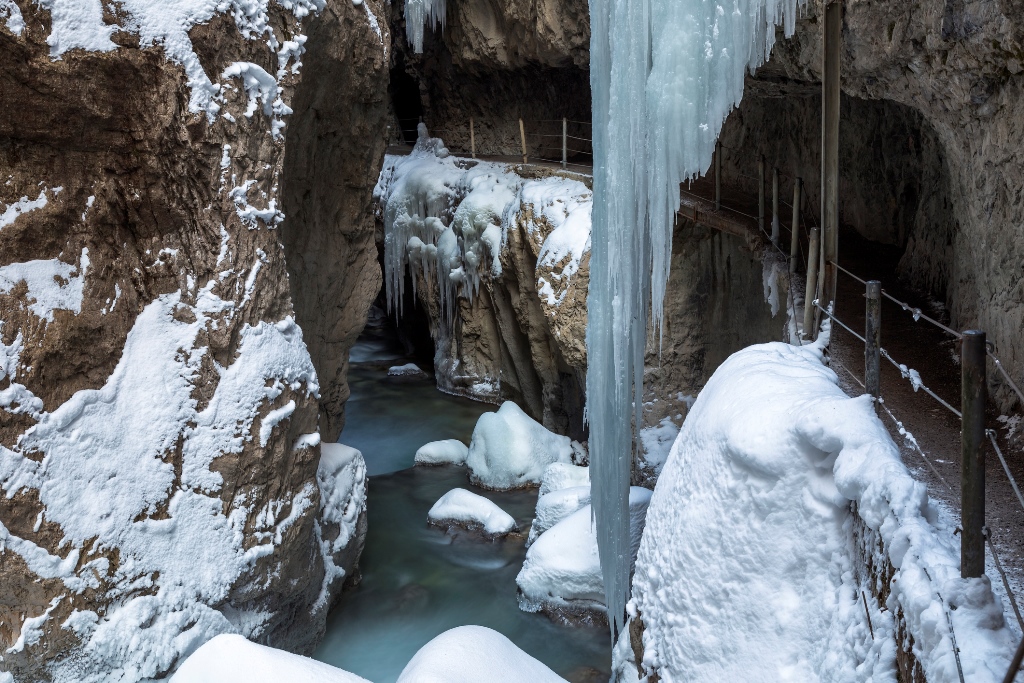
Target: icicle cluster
[(664, 75), (418, 15)]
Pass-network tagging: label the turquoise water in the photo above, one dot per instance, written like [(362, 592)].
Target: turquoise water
[(417, 580)]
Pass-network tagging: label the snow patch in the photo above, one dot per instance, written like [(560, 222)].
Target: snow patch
[(23, 205), (445, 452), (52, 284)]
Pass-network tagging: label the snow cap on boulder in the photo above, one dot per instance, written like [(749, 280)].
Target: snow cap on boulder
[(444, 452), (460, 507), (510, 449)]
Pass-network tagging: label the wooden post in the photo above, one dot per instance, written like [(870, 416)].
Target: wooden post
[(564, 128), (760, 193), (522, 137), (718, 175), (972, 464), (830, 147), (794, 238), (472, 139), (812, 284), (873, 337), (775, 206)]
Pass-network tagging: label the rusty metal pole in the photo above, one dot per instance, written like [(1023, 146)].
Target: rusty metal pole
[(760, 193), (794, 237), (972, 459), (830, 148), (718, 176), (873, 337), (812, 284), (472, 138), (522, 136)]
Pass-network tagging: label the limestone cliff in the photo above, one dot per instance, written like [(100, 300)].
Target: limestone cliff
[(159, 437)]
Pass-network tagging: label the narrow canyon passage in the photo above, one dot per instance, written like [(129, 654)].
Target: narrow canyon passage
[(417, 580)]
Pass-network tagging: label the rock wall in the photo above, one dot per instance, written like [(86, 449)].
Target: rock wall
[(159, 408)]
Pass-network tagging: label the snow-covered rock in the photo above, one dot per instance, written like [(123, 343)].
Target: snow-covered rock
[(562, 475), (460, 507), (510, 449), (555, 506), (562, 570), (230, 658), (341, 476), (444, 452), (408, 370), (474, 654), (745, 564)]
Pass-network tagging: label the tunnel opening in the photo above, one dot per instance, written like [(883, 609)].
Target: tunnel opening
[(404, 91)]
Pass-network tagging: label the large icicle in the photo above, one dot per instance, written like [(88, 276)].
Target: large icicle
[(420, 14), (664, 75)]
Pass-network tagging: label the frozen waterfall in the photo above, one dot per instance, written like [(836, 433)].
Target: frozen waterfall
[(420, 14), (664, 75)]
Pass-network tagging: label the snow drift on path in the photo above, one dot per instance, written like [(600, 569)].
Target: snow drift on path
[(460, 507), (744, 571), (444, 452), (562, 570), (231, 658), (474, 654), (510, 449)]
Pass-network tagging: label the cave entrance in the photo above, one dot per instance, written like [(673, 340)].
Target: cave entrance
[(405, 98)]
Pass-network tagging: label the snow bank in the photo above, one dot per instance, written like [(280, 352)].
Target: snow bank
[(445, 452), (562, 475), (555, 506), (510, 449), (562, 570), (460, 507), (474, 654), (231, 658), (746, 563)]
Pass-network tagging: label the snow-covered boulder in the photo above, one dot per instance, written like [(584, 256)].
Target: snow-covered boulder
[(409, 370), (555, 506), (460, 507), (749, 562), (444, 452), (510, 449), (562, 475), (230, 658), (341, 476), (474, 654), (562, 570)]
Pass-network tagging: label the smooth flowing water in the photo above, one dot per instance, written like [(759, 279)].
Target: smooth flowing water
[(418, 581)]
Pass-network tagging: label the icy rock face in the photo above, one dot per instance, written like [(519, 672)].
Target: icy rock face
[(561, 575), (509, 449), (474, 654), (445, 452), (499, 261), (159, 436), (763, 472), (472, 511)]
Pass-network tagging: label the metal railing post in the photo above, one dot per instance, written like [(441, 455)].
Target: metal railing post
[(972, 465), (472, 138), (775, 206), (564, 128), (760, 193), (718, 176), (873, 337), (522, 136), (812, 284), (794, 238)]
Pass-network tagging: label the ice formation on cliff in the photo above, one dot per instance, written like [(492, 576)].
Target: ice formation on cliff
[(420, 15), (664, 75)]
